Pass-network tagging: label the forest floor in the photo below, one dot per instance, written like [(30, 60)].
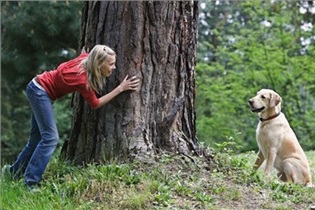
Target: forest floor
[(169, 182)]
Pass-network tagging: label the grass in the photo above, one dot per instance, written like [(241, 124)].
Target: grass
[(172, 182)]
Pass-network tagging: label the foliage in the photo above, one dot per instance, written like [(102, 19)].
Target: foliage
[(35, 36), (245, 46), (172, 182)]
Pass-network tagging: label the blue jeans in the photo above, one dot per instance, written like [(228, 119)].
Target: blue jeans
[(43, 139)]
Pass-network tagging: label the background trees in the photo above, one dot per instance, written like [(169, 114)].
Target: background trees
[(242, 47), (35, 36), (248, 45)]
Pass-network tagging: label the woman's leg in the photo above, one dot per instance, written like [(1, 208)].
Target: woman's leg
[(18, 168), (43, 112)]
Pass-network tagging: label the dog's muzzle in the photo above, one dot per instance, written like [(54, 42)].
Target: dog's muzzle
[(253, 109), (257, 110)]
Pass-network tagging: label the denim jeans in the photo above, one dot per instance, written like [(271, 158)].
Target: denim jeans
[(43, 138)]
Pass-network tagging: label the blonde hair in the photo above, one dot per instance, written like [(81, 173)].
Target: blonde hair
[(92, 64)]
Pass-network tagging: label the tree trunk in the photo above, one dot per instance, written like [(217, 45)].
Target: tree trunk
[(156, 41)]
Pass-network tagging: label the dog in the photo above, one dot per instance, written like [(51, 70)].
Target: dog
[(277, 142)]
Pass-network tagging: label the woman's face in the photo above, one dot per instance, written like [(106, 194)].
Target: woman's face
[(108, 65)]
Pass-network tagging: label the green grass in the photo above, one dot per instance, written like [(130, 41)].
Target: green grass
[(173, 182)]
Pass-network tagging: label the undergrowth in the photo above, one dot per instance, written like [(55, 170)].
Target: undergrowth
[(171, 182)]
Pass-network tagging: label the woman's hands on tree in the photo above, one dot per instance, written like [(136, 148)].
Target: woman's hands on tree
[(129, 84)]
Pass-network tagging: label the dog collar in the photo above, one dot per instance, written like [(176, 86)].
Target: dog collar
[(270, 118)]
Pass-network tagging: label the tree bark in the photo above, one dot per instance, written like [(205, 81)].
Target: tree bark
[(156, 41)]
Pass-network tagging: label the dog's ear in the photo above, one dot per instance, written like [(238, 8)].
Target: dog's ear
[(275, 99)]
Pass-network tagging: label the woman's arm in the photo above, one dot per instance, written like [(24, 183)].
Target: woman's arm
[(126, 84)]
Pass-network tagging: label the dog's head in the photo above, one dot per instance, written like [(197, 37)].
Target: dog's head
[(265, 100)]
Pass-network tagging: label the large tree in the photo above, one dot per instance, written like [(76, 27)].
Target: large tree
[(156, 41)]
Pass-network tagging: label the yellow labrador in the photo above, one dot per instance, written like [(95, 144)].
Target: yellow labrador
[(277, 142)]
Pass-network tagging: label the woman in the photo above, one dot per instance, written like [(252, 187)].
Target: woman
[(84, 74)]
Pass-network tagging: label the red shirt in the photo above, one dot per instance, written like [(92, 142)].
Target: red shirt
[(66, 79)]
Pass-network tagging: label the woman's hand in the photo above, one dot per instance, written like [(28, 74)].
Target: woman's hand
[(129, 84)]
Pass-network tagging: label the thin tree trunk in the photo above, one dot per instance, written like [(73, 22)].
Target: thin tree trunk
[(156, 41)]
